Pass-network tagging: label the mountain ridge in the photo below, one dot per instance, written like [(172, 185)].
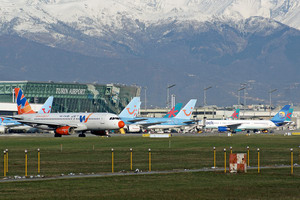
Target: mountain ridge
[(117, 43)]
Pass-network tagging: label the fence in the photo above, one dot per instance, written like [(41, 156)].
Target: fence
[(50, 162)]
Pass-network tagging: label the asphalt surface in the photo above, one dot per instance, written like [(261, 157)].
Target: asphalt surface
[(72, 176)]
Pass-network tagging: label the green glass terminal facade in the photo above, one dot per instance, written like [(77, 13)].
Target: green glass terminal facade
[(73, 97)]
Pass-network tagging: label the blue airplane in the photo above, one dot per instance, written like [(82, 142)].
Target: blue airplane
[(181, 119), (8, 123), (129, 114)]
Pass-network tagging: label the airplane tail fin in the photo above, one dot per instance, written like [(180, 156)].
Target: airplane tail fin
[(187, 110), (46, 108), (22, 103), (174, 111), (132, 109), (236, 114), (281, 115), (289, 115)]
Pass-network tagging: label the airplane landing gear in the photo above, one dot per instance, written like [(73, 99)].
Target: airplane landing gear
[(81, 135), (57, 135)]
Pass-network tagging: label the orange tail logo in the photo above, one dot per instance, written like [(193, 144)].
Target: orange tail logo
[(133, 112), (187, 114)]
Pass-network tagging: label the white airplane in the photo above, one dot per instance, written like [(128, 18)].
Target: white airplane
[(66, 123), (10, 125), (255, 125)]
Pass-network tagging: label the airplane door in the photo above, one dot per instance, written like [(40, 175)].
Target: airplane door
[(101, 122)]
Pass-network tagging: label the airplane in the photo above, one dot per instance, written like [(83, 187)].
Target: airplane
[(183, 118), (8, 124), (255, 125), (129, 115), (66, 123)]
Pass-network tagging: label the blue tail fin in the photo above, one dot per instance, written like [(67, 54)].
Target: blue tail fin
[(174, 111), (46, 108), (281, 115), (132, 109), (187, 110), (289, 115), (236, 114)]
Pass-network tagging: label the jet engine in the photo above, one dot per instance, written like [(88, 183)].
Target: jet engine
[(133, 128), (223, 128), (2, 129), (65, 130)]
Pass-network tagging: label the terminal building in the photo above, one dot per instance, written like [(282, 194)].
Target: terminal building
[(68, 97)]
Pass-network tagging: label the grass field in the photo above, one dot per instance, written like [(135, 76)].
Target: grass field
[(93, 155)]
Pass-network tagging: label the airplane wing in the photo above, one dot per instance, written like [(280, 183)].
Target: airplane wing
[(136, 120), (52, 124), (233, 126), (12, 125), (190, 121), (150, 124), (282, 123)]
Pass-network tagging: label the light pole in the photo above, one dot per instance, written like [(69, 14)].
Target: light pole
[(239, 98), (244, 86), (270, 93), (168, 94), (204, 97), (239, 95), (173, 100), (145, 88)]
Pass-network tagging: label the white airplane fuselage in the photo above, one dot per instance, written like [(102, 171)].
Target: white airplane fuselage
[(244, 124), (80, 121)]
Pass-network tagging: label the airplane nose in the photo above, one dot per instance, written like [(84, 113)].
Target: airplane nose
[(121, 124)]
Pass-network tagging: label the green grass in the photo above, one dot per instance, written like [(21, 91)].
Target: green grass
[(93, 155), (271, 184)]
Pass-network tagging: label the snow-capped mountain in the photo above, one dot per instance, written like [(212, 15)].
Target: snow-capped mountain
[(153, 42), (92, 16), (62, 23)]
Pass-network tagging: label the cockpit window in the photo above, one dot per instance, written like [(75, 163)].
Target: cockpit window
[(114, 118)]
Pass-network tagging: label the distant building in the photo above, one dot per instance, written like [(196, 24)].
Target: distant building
[(70, 97)]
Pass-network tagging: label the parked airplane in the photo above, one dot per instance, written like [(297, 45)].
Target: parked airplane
[(134, 124), (181, 119), (8, 124), (129, 115), (67, 123), (255, 125)]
